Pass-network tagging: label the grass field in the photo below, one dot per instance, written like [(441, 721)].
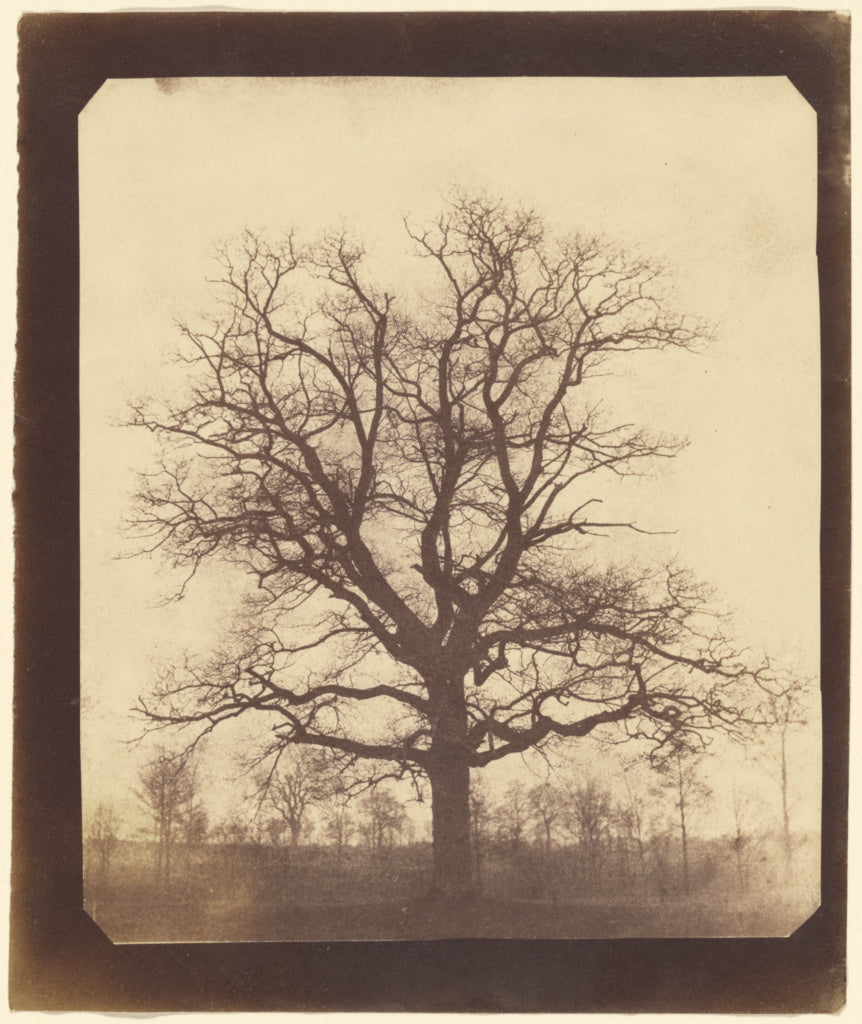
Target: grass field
[(237, 896), (168, 920)]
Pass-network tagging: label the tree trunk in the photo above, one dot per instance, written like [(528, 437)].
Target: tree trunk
[(785, 813), (159, 850), (452, 874), (449, 775), (684, 835), (169, 825)]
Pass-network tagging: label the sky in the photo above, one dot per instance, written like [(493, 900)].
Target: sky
[(714, 177)]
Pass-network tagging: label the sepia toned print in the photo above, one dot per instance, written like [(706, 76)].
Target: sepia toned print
[(449, 474)]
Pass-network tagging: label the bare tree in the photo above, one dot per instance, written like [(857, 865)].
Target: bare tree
[(168, 789), (298, 781), (481, 818), (338, 822), (383, 818), (744, 839), (408, 483), (591, 815), (512, 816), (680, 771), (784, 711), (546, 805), (102, 839), (232, 831), (632, 812), (193, 823), (481, 810), (270, 831), (234, 836)]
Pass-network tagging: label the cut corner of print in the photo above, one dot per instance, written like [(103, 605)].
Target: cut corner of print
[(91, 909), (805, 915)]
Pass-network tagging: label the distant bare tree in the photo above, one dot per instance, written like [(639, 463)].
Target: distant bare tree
[(680, 771), (299, 781), (102, 838), (632, 810), (785, 711), (339, 824), (383, 818), (546, 803), (512, 816), (232, 831), (234, 836), (270, 831), (743, 839), (591, 813), (193, 818), (168, 789), (481, 818), (660, 847)]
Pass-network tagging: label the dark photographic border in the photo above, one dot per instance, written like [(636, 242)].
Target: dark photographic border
[(59, 959)]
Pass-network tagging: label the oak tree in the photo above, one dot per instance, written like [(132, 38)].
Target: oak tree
[(409, 485)]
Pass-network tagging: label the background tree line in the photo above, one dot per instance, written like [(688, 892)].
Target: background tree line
[(306, 828)]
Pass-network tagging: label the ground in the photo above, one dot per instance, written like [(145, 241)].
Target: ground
[(226, 898)]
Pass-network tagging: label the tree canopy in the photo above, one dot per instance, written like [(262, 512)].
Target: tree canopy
[(411, 486)]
